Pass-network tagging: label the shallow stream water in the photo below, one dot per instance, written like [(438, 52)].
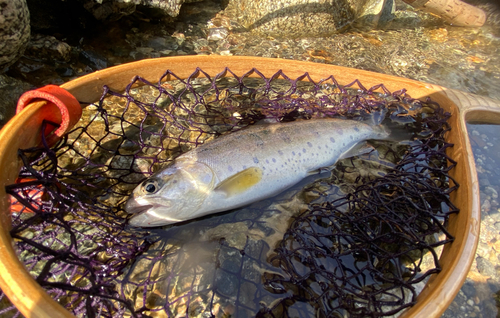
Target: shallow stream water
[(415, 45)]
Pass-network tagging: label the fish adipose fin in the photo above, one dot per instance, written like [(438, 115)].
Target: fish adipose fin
[(240, 182)]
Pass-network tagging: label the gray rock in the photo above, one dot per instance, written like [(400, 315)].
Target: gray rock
[(163, 43), (14, 31), (468, 288), (10, 90), (93, 59), (491, 191), (48, 48), (115, 9), (108, 9), (485, 267)]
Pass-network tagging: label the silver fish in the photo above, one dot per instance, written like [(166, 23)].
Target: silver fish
[(246, 166)]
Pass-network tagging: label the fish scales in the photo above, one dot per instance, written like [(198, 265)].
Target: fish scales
[(247, 166)]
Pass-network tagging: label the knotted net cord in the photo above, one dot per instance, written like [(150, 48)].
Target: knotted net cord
[(357, 254)]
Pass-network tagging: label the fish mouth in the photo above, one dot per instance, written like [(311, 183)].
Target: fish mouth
[(133, 207)]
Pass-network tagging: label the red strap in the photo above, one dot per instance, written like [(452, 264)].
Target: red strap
[(70, 108)]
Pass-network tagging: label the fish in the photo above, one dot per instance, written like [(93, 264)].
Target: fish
[(246, 166)]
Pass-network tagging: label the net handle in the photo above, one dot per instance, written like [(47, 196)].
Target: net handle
[(69, 107)]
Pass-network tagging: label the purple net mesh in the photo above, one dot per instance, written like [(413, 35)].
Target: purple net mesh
[(356, 242)]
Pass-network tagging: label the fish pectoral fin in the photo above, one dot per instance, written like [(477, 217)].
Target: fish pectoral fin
[(359, 149), (240, 182)]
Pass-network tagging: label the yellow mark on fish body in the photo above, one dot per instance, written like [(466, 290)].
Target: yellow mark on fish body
[(241, 182)]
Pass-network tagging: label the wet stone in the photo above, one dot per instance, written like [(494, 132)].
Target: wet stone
[(485, 267), (468, 288), (230, 259), (65, 71), (255, 249), (489, 190), (227, 284), (216, 34), (247, 294), (48, 48), (249, 270), (163, 43), (93, 59)]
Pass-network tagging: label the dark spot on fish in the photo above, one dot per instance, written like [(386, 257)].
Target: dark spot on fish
[(340, 132), (280, 152), (300, 153), (255, 160), (286, 138), (274, 160), (356, 129), (326, 146), (351, 137), (263, 168), (230, 168), (309, 144), (259, 142), (267, 161), (319, 147), (244, 167), (286, 163), (331, 139), (293, 153), (304, 150)]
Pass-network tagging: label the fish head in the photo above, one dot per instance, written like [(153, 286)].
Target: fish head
[(171, 195)]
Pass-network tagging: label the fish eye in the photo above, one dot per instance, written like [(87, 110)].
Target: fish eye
[(151, 186)]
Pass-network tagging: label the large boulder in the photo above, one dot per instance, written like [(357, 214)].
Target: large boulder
[(14, 31)]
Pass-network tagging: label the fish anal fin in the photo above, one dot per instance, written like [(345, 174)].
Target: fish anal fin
[(240, 182), (321, 170), (359, 149)]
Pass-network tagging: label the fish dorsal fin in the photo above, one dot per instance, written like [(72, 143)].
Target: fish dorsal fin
[(357, 150), (240, 182)]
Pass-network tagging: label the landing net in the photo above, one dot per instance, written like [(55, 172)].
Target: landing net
[(358, 242)]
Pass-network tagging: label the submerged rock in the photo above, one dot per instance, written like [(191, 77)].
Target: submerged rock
[(14, 31), (48, 48), (295, 18)]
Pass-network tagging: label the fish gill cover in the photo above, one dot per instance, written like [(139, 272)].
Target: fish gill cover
[(357, 242)]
